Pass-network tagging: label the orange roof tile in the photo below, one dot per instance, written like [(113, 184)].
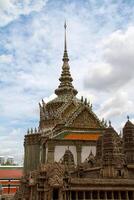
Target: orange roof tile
[(83, 136), (11, 174), (11, 191)]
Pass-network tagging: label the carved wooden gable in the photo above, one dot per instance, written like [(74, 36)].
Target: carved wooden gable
[(85, 119)]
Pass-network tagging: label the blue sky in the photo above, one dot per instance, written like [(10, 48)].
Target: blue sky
[(100, 37)]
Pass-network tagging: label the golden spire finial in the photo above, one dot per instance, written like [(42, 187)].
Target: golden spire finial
[(65, 87), (65, 26), (65, 56)]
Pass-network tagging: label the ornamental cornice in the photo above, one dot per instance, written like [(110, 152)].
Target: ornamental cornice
[(32, 139)]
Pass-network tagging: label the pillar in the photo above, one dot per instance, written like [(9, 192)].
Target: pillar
[(132, 194), (50, 155), (31, 193), (119, 195), (28, 157), (25, 158), (112, 195), (43, 153), (76, 195), (61, 195), (67, 195), (127, 197), (70, 195), (64, 195), (105, 193), (98, 195), (78, 149), (84, 197), (91, 195)]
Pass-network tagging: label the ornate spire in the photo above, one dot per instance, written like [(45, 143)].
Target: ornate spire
[(65, 56), (65, 87)]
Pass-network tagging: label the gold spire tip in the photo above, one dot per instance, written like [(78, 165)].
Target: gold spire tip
[(65, 25)]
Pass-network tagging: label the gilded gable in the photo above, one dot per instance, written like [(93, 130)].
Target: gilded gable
[(85, 119), (69, 110)]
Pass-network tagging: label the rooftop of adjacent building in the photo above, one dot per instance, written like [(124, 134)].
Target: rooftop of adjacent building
[(11, 172), (11, 167)]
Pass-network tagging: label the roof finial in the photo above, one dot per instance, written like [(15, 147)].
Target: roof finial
[(66, 87), (110, 123), (65, 26), (128, 117), (65, 56)]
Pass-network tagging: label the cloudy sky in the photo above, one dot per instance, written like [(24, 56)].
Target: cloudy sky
[(100, 35)]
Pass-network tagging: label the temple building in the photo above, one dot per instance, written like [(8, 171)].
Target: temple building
[(10, 176), (73, 155)]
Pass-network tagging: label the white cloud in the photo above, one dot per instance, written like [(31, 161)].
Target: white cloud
[(117, 68), (51, 97), (117, 105), (90, 97), (11, 9), (15, 104), (12, 144), (111, 78), (6, 59), (4, 4)]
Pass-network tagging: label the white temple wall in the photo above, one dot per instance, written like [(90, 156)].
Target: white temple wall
[(60, 150), (86, 151)]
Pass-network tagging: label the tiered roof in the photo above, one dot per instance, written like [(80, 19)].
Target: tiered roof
[(66, 109)]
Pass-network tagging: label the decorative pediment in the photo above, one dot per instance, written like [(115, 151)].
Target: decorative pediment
[(54, 173), (54, 169), (55, 181), (84, 119), (68, 110)]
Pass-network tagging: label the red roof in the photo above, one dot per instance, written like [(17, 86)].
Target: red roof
[(11, 173), (12, 190)]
